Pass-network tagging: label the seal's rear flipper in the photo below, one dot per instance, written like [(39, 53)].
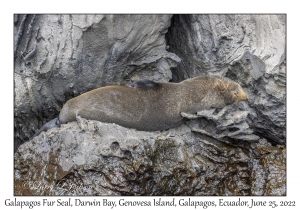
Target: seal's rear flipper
[(51, 124)]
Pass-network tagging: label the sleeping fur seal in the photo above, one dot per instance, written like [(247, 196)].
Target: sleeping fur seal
[(150, 106)]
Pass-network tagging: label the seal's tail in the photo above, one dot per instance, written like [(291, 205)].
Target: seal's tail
[(51, 124)]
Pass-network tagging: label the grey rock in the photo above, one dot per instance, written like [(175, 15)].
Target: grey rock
[(231, 121), (239, 150), (250, 49), (61, 56), (93, 158)]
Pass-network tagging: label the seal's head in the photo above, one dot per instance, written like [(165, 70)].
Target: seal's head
[(208, 92), (231, 91)]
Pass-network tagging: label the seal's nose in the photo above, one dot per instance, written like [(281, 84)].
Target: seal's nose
[(242, 96)]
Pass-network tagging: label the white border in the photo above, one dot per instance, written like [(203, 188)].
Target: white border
[(153, 6)]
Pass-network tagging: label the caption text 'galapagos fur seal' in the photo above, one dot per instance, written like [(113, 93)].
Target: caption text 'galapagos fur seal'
[(150, 106)]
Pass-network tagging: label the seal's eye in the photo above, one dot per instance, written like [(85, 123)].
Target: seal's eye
[(236, 94)]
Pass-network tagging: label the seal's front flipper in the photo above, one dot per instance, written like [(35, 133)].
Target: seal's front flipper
[(51, 124), (143, 83)]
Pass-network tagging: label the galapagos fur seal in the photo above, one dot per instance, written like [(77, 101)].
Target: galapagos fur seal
[(150, 106)]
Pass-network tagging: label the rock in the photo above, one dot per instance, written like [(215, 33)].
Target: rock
[(238, 150), (250, 49), (93, 158), (231, 121), (76, 53)]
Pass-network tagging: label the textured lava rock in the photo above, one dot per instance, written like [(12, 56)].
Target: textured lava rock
[(58, 57), (250, 49), (94, 158), (238, 150)]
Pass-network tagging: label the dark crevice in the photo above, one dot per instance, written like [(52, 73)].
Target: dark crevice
[(172, 40)]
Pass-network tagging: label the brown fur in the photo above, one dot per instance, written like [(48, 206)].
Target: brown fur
[(152, 108)]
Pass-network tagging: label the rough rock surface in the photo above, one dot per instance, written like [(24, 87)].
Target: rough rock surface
[(94, 158), (250, 49), (58, 57), (238, 150), (231, 121)]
